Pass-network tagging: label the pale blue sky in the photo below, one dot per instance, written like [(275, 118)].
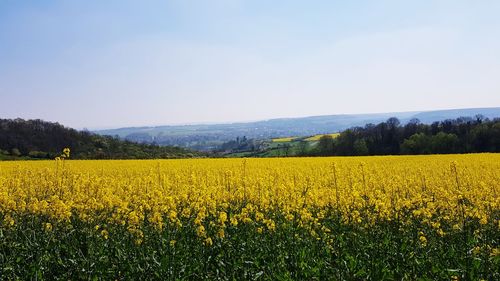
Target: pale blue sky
[(121, 63)]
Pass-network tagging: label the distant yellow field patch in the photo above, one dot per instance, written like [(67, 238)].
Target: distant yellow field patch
[(289, 139), (317, 137)]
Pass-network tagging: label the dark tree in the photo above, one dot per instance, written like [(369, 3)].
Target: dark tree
[(325, 145), (461, 135), (40, 139)]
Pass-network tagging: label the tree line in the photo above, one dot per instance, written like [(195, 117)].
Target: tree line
[(38, 139), (461, 135)]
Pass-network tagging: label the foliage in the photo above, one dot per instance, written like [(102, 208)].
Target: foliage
[(463, 135), (326, 145), (38, 139), (239, 145), (362, 218)]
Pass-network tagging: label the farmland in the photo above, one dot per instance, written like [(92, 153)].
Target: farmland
[(317, 137), (379, 217), (310, 139), (284, 147)]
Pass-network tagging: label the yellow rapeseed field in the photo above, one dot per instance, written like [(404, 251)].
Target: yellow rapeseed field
[(435, 188), (317, 137), (287, 139), (435, 195)]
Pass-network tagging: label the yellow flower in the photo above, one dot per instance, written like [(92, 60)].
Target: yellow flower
[(234, 221), (270, 224), (157, 220), (476, 250), (47, 226), (8, 221), (200, 231), (221, 233), (66, 152), (133, 218), (208, 241), (422, 238), (172, 216), (105, 234), (222, 218), (495, 252), (301, 192)]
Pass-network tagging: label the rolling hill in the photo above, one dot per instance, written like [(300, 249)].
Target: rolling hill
[(206, 137), (38, 139)]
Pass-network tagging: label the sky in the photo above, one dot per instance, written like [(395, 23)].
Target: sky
[(105, 64)]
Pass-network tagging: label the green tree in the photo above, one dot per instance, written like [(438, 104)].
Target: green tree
[(326, 145), (495, 137), (303, 147), (344, 143), (416, 144), (360, 147), (15, 152), (38, 154), (444, 143)]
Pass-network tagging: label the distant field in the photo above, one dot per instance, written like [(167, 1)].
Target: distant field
[(312, 138), (317, 137), (288, 139)]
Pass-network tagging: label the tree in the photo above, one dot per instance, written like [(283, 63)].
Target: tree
[(411, 128), (481, 138), (444, 143), (461, 135), (393, 122), (286, 148), (326, 145), (15, 152), (302, 147), (416, 144), (40, 139), (495, 137), (392, 136), (344, 143), (360, 147), (38, 154)]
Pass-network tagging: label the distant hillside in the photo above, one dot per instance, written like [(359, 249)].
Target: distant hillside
[(206, 137), (25, 139), (461, 135)]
